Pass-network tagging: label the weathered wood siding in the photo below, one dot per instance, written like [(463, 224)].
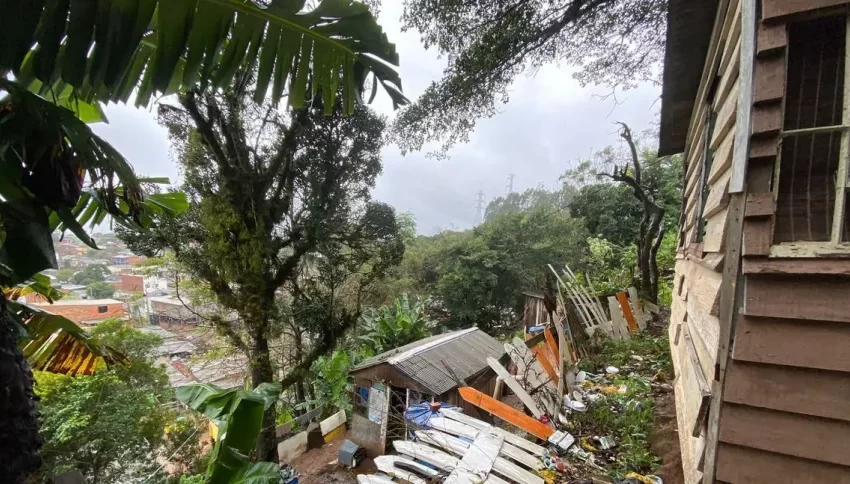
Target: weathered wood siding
[(694, 325), (785, 416)]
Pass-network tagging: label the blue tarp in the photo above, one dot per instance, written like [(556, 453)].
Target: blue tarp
[(421, 413)]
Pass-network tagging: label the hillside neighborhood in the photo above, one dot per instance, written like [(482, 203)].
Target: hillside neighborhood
[(425, 241)]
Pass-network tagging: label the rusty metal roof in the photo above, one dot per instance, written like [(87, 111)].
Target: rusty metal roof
[(689, 27), (465, 351)]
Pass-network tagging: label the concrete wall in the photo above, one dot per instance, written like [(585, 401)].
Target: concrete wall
[(366, 434)]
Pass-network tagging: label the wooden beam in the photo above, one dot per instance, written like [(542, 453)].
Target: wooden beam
[(810, 297), (773, 10), (553, 345), (771, 39), (543, 359), (789, 342), (825, 267), (769, 79), (760, 205), (623, 299), (506, 413), (510, 438), (515, 387), (753, 466), (731, 283), (745, 97)]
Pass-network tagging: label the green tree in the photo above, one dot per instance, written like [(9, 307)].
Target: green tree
[(109, 425), (65, 275), (490, 42), (274, 198), (389, 327), (92, 273), (483, 274), (529, 200), (100, 290)]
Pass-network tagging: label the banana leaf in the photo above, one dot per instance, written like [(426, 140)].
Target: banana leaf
[(57, 345), (116, 50), (239, 417)]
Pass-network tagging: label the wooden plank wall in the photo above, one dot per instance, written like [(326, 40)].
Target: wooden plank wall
[(786, 410), (694, 326)]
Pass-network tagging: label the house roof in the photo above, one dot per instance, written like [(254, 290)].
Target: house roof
[(689, 27), (465, 351), (80, 302)]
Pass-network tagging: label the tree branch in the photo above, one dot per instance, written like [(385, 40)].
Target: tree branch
[(626, 134)]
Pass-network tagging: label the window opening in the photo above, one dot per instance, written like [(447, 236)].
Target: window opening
[(811, 168), (102, 309)]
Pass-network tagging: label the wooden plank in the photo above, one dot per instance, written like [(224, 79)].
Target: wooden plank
[(728, 76), (506, 413), (386, 464), (764, 148), (786, 433), (715, 232), (704, 289), (634, 301), (744, 465), (745, 99), (760, 205), (512, 439), (483, 453), (797, 390), (833, 267), (501, 465), (725, 117), (521, 456), (718, 196), (730, 52), (697, 392), (515, 387), (452, 427), (428, 455), (767, 118), (627, 311), (553, 345), (808, 344), (758, 237), (374, 479), (773, 10), (621, 329), (771, 39), (331, 423), (769, 80), (798, 297), (687, 443), (705, 330), (722, 158), (543, 358), (535, 374), (394, 461)]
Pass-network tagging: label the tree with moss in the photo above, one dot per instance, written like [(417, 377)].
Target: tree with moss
[(274, 198)]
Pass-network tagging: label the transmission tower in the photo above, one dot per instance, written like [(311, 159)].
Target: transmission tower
[(510, 186), (479, 207)]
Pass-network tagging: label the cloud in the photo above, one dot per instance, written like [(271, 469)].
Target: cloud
[(549, 124)]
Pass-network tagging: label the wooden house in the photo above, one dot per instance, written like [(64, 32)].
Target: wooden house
[(422, 371), (757, 98)]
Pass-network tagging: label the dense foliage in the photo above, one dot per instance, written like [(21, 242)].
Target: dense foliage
[(100, 290), (108, 426), (389, 327)]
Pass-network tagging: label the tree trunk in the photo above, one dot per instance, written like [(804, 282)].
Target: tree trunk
[(18, 411), (261, 372)]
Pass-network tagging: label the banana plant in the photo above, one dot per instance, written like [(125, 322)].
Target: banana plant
[(238, 414), (114, 50)]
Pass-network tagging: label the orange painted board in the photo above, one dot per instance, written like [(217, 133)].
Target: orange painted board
[(506, 412), (623, 299), (540, 353), (553, 346)]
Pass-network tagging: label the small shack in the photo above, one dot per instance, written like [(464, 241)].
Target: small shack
[(386, 384), (758, 103)]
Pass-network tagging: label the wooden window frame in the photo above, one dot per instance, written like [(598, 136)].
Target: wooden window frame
[(834, 247)]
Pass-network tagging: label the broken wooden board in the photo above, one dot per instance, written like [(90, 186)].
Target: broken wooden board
[(618, 323), (515, 387), (386, 464), (627, 311), (452, 427), (502, 466), (534, 370), (634, 299), (506, 413), (374, 479), (482, 454), (543, 359), (399, 463), (553, 345), (444, 461), (531, 447)]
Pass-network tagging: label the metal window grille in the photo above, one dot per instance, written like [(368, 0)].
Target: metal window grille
[(810, 178)]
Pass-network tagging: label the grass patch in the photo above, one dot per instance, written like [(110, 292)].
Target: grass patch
[(627, 417)]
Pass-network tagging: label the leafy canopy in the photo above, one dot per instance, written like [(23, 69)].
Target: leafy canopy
[(389, 327)]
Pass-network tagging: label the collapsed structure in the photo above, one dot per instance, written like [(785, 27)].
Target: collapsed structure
[(758, 102)]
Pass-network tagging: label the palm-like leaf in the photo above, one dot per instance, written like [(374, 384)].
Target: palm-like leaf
[(46, 156), (239, 417), (58, 345), (105, 50)]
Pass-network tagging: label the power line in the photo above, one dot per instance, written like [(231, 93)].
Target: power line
[(479, 207)]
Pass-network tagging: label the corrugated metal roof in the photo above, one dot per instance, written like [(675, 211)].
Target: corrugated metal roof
[(465, 351)]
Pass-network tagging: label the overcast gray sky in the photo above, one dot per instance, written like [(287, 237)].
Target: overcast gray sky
[(549, 124)]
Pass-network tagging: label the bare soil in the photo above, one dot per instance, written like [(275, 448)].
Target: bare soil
[(665, 439), (321, 466)]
